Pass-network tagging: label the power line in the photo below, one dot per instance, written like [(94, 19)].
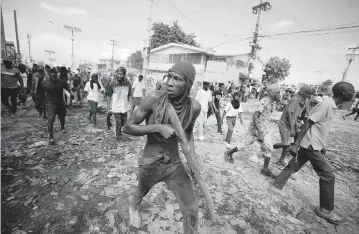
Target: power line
[(215, 3), (312, 30), (182, 14)]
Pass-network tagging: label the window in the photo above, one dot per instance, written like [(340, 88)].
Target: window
[(175, 58), (192, 58), (159, 58)]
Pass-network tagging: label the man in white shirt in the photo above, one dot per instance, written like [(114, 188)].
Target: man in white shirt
[(138, 92), (204, 97)]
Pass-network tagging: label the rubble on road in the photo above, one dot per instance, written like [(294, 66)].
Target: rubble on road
[(82, 184)]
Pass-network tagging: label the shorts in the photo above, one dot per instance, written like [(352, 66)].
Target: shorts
[(284, 131), (136, 101), (252, 136), (53, 110)]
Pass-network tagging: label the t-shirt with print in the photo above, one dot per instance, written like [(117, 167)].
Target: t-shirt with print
[(265, 108), (138, 88), (216, 97), (94, 94), (203, 97)]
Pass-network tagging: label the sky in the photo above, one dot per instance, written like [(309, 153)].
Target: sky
[(222, 25)]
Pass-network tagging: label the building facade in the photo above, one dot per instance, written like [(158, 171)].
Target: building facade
[(210, 66)]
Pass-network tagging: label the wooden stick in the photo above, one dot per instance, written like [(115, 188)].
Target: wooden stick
[(190, 159)]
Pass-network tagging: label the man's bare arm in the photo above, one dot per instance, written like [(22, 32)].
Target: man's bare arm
[(145, 109), (196, 110)]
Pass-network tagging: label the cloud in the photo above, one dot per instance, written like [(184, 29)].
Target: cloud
[(63, 10), (283, 24)]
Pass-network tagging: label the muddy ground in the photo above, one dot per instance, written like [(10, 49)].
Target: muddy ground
[(81, 184)]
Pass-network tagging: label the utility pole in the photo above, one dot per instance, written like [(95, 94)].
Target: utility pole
[(72, 29), (52, 61), (50, 52), (258, 11), (29, 43), (113, 53), (350, 57), (3, 41), (146, 49), (18, 55)]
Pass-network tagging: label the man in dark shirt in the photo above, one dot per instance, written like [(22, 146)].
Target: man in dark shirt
[(10, 77), (76, 86), (216, 96), (54, 89)]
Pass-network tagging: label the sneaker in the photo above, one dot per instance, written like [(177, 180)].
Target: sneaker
[(228, 157), (328, 215), (280, 163), (135, 217), (268, 173), (201, 138), (229, 146), (51, 142)]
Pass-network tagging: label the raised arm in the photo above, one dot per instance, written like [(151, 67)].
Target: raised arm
[(145, 109)]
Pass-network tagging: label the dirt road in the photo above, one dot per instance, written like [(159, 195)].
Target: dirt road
[(81, 184)]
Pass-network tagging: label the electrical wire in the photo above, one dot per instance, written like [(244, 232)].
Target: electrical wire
[(182, 14), (215, 3), (312, 30)]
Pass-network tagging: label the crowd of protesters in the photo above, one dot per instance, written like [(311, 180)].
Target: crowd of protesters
[(303, 126)]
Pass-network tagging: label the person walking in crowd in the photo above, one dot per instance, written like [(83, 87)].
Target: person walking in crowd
[(38, 91), (119, 94), (204, 97), (216, 97), (76, 85), (309, 145), (138, 92), (211, 87), (94, 92), (54, 89), (10, 76), (63, 74), (160, 160), (288, 127), (259, 129), (233, 108), (354, 108), (27, 84)]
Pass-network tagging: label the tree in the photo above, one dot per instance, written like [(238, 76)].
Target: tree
[(136, 60), (164, 34), (276, 69), (324, 86)]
